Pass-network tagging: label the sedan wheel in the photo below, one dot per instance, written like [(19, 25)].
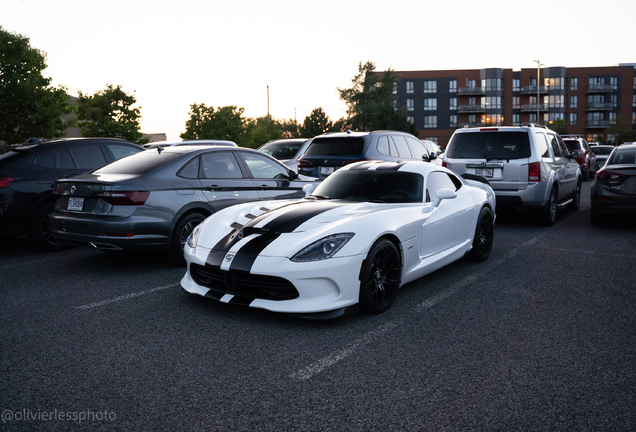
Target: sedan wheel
[(380, 277), (181, 233), (40, 229), (484, 235)]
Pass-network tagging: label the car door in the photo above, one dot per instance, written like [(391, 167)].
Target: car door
[(559, 166), (222, 180), (449, 224), (272, 179), (570, 168)]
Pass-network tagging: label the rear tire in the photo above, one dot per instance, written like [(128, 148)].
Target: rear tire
[(574, 205), (180, 235), (548, 217), (40, 229), (484, 235), (380, 280)]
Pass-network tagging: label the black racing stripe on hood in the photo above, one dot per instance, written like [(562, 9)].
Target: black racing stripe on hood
[(285, 223)]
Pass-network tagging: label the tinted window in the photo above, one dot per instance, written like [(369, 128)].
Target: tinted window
[(402, 146), (335, 147), (45, 161), (378, 185), (138, 163), (190, 170), (263, 167), (555, 147), (282, 150), (64, 160), (435, 181), (572, 145), (602, 150), (220, 165), (627, 156), (489, 145), (87, 157), (119, 151)]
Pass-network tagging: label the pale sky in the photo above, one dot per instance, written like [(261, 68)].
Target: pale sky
[(172, 54)]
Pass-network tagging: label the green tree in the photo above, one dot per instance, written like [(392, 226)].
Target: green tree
[(621, 133), (109, 113), (226, 123), (316, 123), (262, 130), (370, 101), (559, 126), (29, 105)]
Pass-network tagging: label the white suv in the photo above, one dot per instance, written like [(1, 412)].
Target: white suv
[(529, 167)]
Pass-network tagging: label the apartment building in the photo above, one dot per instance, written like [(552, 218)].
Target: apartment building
[(588, 99)]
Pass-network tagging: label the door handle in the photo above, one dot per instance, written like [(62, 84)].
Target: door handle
[(213, 187)]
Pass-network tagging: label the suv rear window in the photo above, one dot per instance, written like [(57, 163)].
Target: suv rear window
[(335, 147), (489, 145), (573, 145)]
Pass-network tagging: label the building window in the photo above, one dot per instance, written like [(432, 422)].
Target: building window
[(516, 83), (574, 83), (612, 116), (452, 86), (492, 120), (410, 119), (452, 104), (574, 101), (430, 122), (516, 102), (430, 104), (614, 82), (409, 87), (430, 86), (395, 106), (493, 102), (516, 120), (614, 100), (555, 116), (611, 138), (410, 104), (492, 84), (556, 101), (532, 117), (453, 121), (634, 101), (634, 117), (472, 119), (471, 84), (574, 117), (394, 88), (555, 83)]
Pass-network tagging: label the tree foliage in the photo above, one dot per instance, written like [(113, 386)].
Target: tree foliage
[(370, 101), (316, 123), (224, 123), (559, 126), (29, 105), (109, 113), (620, 131)]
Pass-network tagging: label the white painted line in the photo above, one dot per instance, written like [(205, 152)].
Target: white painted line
[(124, 297)]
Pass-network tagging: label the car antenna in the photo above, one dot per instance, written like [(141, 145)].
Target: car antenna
[(159, 149)]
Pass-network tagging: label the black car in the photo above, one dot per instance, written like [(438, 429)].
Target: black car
[(153, 200), (614, 188), (27, 174)]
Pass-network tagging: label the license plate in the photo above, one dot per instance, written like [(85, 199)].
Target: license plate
[(326, 170), (75, 204), (484, 172)]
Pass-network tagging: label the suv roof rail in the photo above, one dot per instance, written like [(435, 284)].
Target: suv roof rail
[(537, 125), (572, 136)]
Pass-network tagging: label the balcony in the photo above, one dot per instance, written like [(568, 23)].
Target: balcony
[(533, 107), (471, 109), (600, 106), (597, 124), (600, 88), (471, 91), (533, 89)]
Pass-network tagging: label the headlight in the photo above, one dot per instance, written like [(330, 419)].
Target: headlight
[(193, 238), (323, 249)]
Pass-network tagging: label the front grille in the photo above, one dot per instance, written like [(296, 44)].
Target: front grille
[(243, 284)]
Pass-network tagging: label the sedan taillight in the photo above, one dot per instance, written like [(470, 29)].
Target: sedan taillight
[(607, 175), (5, 182), (534, 172), (123, 198), (302, 163)]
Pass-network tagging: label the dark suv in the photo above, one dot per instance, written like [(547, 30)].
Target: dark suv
[(331, 151), (27, 175), (586, 159)]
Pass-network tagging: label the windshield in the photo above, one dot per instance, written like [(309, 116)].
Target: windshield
[(489, 145), (378, 186), (602, 150), (281, 150)]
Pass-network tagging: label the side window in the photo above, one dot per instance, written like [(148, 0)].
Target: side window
[(564, 149), (264, 168), (120, 151), (220, 165), (383, 145), (542, 145), (402, 146), (64, 159), (88, 157), (417, 148), (555, 147), (45, 161), (435, 181), (190, 170)]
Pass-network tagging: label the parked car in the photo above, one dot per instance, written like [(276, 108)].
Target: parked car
[(27, 174), (153, 199), (435, 152), (331, 151), (602, 152), (529, 167), (286, 150), (189, 142), (614, 188), (366, 230), (586, 159)]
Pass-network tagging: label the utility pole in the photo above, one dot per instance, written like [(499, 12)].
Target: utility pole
[(539, 64)]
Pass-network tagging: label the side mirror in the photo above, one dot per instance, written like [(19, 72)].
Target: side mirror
[(443, 194), (308, 189), (293, 175), (433, 155)]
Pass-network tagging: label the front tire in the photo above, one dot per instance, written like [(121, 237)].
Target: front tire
[(484, 235), (40, 229), (180, 235), (380, 280)]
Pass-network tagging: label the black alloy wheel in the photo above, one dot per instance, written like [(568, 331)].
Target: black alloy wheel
[(381, 274), (484, 235), (40, 229), (181, 233)]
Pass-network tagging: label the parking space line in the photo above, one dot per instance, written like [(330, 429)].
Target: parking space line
[(124, 297), (330, 360)]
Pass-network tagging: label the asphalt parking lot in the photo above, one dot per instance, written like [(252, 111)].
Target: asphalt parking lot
[(539, 337)]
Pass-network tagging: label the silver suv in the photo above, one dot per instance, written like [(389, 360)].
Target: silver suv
[(529, 167)]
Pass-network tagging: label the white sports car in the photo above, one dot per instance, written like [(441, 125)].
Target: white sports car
[(366, 230)]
